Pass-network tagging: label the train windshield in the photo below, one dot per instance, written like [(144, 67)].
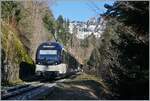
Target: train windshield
[(48, 54)]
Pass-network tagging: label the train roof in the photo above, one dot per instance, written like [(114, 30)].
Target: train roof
[(50, 43)]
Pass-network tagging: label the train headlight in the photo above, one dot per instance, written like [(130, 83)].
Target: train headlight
[(39, 63)]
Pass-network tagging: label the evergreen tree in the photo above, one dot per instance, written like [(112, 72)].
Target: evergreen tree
[(11, 11), (131, 13)]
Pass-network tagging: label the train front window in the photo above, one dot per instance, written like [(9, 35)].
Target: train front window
[(48, 54)]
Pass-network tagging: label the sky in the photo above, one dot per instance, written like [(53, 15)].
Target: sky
[(79, 10)]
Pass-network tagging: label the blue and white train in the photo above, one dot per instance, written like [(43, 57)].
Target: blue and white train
[(49, 60)]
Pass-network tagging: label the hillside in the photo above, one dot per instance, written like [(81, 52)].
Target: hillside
[(22, 31), (121, 56), (13, 54)]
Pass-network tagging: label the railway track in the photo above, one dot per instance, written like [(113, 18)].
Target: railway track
[(31, 90), (27, 91)]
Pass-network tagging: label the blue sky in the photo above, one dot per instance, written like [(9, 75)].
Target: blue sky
[(80, 10)]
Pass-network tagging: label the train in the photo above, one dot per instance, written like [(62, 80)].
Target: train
[(49, 60)]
